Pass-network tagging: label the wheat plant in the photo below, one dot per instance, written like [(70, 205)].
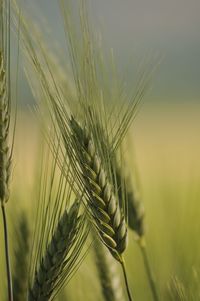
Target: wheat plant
[(85, 111), (5, 115), (60, 232), (89, 158)]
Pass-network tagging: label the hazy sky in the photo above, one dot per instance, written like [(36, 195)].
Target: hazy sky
[(170, 27)]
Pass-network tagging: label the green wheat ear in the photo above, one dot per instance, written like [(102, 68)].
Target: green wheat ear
[(5, 157), (22, 250), (5, 114), (57, 252), (61, 230), (102, 201)]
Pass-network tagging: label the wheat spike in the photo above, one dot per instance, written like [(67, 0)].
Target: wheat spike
[(20, 278), (102, 201), (5, 160), (134, 204), (50, 267), (108, 274), (5, 152), (125, 190)]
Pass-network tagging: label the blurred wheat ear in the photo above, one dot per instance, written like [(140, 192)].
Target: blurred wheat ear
[(136, 215), (52, 263), (108, 273), (5, 113), (22, 250), (61, 229)]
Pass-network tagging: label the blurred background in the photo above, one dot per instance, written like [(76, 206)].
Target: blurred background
[(165, 133)]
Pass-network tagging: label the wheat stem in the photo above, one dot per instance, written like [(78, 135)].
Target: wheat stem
[(126, 281), (8, 268), (149, 272)]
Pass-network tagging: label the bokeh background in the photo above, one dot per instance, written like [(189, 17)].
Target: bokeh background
[(165, 135)]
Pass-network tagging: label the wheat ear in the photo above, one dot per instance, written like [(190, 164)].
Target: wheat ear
[(5, 156), (102, 201), (20, 276), (55, 256), (5, 160), (108, 274), (136, 224)]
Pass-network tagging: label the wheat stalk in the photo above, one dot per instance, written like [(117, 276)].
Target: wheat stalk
[(135, 210), (136, 224)]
